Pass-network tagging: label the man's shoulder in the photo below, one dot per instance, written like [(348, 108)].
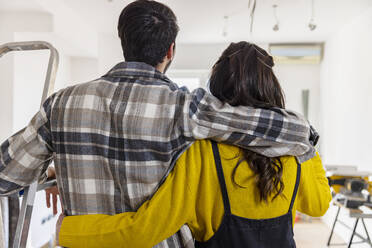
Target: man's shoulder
[(96, 83), (85, 88), (121, 89)]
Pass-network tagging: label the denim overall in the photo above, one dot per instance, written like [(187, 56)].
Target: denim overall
[(236, 231)]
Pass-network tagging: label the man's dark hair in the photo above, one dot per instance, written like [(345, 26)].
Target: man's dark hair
[(147, 29)]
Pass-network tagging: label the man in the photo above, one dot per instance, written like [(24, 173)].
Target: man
[(113, 140)]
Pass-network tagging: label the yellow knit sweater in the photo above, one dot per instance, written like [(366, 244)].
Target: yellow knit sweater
[(191, 195)]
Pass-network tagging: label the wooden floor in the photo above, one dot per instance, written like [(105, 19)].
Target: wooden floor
[(314, 234)]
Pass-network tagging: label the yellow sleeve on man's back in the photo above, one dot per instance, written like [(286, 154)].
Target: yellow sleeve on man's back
[(157, 219)]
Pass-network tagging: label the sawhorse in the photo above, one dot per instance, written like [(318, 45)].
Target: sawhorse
[(358, 215)]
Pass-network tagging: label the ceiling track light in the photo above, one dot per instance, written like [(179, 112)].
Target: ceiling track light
[(252, 10), (225, 26), (312, 26), (276, 26)]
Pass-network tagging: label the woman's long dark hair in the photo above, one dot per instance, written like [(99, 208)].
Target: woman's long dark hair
[(243, 75)]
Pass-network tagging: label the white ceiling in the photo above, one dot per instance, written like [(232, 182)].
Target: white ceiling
[(201, 21), (18, 5)]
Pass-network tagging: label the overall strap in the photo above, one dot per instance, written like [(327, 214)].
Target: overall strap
[(296, 185), (221, 178)]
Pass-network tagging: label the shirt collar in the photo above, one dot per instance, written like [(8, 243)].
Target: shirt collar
[(136, 69)]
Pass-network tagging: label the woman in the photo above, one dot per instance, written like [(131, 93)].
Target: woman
[(229, 197)]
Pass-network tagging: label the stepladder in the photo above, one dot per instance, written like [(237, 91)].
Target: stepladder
[(23, 220)]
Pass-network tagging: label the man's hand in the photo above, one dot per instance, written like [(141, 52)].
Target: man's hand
[(58, 227), (53, 191)]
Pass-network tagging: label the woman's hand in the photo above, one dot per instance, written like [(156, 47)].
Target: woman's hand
[(53, 191), (51, 173)]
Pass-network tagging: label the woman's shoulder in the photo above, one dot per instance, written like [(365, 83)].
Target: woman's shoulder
[(198, 153), (231, 151), (227, 152), (202, 149), (292, 160)]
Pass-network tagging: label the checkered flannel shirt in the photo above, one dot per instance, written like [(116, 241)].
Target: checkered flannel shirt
[(113, 140)]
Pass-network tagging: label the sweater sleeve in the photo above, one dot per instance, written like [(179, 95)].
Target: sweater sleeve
[(172, 206), (314, 193)]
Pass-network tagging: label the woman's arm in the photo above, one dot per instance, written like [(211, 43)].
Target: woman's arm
[(314, 194), (172, 206)]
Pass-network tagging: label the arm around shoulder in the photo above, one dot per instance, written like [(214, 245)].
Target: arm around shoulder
[(206, 117)]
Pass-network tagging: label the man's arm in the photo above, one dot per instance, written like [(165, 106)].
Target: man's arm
[(25, 156), (270, 132)]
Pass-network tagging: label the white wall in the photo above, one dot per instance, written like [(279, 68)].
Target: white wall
[(6, 87), (109, 52), (346, 94), (196, 56), (83, 69), (71, 26), (295, 78), (11, 22), (346, 100), (27, 85), (29, 76)]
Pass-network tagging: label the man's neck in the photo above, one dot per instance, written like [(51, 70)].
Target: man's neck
[(160, 67)]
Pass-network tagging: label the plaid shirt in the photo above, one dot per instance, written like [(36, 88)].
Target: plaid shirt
[(113, 140)]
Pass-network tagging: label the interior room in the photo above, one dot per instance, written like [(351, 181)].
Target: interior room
[(321, 50)]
